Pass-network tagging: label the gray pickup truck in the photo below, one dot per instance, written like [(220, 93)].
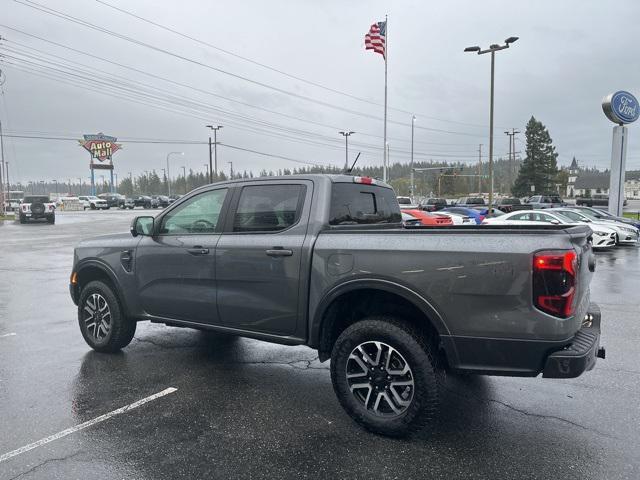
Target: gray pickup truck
[(323, 261)]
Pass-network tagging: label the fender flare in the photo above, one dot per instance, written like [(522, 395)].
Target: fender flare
[(351, 285), (106, 269)]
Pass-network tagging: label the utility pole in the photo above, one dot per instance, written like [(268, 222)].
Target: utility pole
[(213, 169), (184, 175), (480, 169), (412, 186), (346, 148), (1, 168), (492, 50), (512, 151), (231, 168)]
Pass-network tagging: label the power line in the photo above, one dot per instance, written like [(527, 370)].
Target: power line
[(93, 56), (130, 87), (70, 18), (276, 70)]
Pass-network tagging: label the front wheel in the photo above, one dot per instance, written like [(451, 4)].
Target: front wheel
[(384, 376), (101, 320)]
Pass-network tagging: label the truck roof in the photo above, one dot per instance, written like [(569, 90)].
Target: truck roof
[(333, 178)]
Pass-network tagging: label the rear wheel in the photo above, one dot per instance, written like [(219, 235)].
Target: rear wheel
[(384, 376), (51, 219), (101, 320), (23, 219)]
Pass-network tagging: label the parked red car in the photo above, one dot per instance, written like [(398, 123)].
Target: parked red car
[(429, 219)]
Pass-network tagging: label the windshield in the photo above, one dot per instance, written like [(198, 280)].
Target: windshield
[(565, 219), (575, 216)]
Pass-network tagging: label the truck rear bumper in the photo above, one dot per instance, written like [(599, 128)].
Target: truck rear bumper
[(579, 357), (528, 358)]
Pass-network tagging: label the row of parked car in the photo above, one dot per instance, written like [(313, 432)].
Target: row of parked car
[(105, 201), (608, 230)]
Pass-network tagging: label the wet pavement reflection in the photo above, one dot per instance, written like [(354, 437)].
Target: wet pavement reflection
[(248, 409)]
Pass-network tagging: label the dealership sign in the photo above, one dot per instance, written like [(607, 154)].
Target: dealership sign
[(621, 107), (101, 147)]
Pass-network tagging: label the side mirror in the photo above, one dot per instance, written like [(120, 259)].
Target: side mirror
[(142, 226), (555, 222)]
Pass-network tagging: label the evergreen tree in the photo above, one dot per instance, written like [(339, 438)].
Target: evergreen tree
[(540, 167)]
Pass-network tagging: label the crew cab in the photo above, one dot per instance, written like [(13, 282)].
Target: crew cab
[(36, 207), (93, 203), (545, 201), (323, 261)]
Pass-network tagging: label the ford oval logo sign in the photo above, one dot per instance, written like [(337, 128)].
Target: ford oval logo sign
[(621, 107)]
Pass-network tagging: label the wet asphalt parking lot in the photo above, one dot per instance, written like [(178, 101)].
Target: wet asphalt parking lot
[(216, 406)]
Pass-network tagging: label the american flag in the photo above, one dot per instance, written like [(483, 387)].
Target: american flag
[(376, 38)]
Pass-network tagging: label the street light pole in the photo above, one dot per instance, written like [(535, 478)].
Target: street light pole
[(231, 170), (213, 169), (346, 148), (184, 175), (492, 50), (168, 171)]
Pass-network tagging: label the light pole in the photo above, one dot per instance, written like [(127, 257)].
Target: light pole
[(231, 169), (184, 175), (346, 148), (206, 168), (412, 186), (492, 49), (213, 168), (164, 175), (169, 174), (56, 182)]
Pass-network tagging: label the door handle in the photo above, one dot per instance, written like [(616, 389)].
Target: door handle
[(279, 252), (198, 250)]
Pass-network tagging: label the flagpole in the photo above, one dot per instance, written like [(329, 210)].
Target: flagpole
[(386, 56)]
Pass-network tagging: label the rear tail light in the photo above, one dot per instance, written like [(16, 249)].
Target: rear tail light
[(554, 282)]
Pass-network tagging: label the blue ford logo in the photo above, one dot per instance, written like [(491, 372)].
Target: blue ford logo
[(621, 107)]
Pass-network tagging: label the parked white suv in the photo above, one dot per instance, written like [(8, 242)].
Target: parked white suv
[(35, 207), (93, 203)]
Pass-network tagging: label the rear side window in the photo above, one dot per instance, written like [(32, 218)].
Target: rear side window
[(268, 208), (356, 204)]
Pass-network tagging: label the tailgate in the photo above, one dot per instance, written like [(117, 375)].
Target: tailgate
[(581, 241)]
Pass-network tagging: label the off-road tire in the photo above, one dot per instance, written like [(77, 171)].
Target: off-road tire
[(412, 345), (121, 329)]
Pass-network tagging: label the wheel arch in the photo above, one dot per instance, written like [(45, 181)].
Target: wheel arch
[(353, 300), (91, 270)]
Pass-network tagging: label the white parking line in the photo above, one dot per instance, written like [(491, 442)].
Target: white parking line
[(86, 424), (8, 335)]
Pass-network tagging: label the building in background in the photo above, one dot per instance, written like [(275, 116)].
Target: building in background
[(586, 183)]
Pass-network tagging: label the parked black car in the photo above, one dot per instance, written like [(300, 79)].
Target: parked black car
[(433, 204), (163, 201), (470, 201), (145, 201), (128, 203), (508, 205), (114, 200), (596, 200)]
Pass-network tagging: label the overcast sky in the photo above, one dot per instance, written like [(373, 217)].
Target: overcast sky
[(570, 54)]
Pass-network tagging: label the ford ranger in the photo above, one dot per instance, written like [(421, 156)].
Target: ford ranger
[(323, 261)]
